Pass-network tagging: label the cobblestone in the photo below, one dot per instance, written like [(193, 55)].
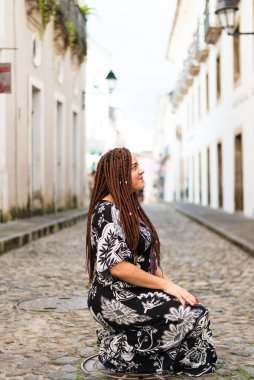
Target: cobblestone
[(47, 345)]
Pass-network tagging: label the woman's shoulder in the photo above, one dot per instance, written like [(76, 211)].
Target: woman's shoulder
[(105, 207), (104, 204), (105, 212)]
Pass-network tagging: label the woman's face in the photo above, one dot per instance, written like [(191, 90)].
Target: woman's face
[(137, 180)]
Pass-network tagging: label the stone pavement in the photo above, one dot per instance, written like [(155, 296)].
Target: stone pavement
[(234, 227), (51, 344), (16, 233)]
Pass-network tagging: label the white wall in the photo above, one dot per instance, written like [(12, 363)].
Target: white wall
[(52, 71), (233, 113)]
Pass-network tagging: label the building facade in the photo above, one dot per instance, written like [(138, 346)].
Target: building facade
[(42, 129), (213, 107), (168, 151)]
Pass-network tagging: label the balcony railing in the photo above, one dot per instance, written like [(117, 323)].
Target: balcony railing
[(176, 98), (187, 79), (211, 23), (73, 13), (65, 11), (192, 66), (201, 48)]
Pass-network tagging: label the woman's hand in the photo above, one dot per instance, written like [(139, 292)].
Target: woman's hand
[(181, 294), (133, 275)]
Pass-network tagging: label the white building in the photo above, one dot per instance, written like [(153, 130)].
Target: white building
[(213, 108), (105, 123), (42, 132), (167, 151), (97, 99)]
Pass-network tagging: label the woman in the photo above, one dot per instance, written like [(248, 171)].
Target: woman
[(149, 323)]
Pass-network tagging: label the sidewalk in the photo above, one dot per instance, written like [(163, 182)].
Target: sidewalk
[(17, 233), (233, 227)]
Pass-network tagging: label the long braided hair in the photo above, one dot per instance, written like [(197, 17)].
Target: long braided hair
[(113, 176)]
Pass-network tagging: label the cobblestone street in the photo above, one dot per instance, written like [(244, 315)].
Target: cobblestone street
[(52, 344)]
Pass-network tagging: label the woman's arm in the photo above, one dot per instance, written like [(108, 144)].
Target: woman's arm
[(159, 273), (138, 277)]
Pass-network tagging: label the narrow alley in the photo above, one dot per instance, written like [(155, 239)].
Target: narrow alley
[(51, 344)]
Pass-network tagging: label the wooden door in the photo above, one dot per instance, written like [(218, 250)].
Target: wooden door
[(208, 178), (238, 173), (220, 184)]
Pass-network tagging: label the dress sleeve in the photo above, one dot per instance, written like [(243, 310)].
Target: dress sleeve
[(111, 245)]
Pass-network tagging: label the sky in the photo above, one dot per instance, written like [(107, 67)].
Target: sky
[(136, 33)]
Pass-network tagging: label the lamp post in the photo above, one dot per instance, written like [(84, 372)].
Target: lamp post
[(226, 12), (111, 79)]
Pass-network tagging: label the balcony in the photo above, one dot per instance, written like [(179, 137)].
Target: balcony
[(176, 98), (179, 133), (181, 86), (69, 24), (192, 65), (188, 80), (183, 89), (201, 48), (73, 13), (211, 23), (165, 154)]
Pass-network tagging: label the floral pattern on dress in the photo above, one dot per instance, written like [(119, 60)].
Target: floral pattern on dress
[(143, 330), (152, 299), (186, 318), (115, 311)]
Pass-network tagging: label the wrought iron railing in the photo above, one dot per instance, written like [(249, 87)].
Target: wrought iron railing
[(211, 19), (73, 13)]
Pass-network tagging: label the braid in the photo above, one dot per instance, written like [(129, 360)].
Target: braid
[(113, 176)]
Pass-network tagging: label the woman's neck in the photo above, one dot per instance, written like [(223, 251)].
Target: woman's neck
[(109, 198)]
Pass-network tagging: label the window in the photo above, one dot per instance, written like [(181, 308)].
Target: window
[(193, 179), (220, 180), (207, 92), (36, 50), (218, 77), (237, 66), (239, 189)]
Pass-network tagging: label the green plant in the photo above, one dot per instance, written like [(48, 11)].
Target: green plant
[(71, 32), (87, 11), (47, 8), (42, 11)]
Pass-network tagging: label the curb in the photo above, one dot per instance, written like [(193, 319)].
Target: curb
[(236, 240), (18, 240)]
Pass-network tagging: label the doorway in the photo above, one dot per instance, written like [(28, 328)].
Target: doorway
[(36, 153), (238, 173), (220, 180), (74, 159), (200, 177), (59, 156)]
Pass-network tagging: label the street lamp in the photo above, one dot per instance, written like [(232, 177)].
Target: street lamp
[(226, 12), (112, 79)]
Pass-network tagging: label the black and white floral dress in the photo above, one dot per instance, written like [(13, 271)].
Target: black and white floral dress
[(143, 330)]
